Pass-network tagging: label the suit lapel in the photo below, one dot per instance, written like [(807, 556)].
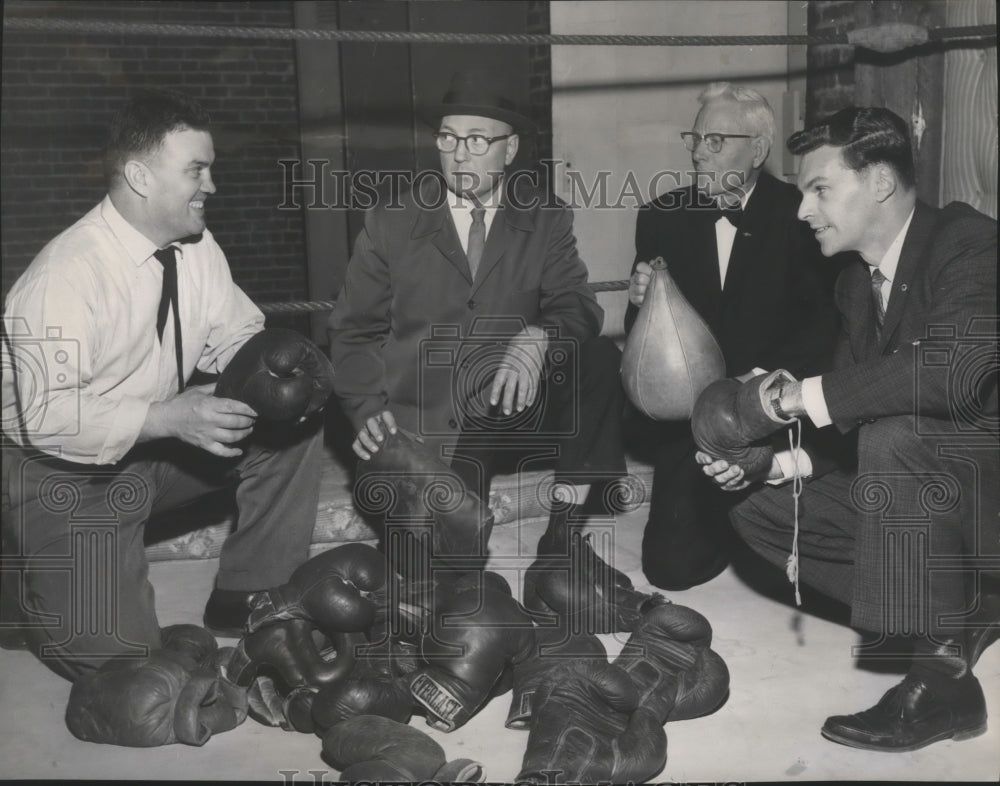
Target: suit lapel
[(507, 223), (915, 242), (437, 224), (750, 236), (860, 310), (708, 272)]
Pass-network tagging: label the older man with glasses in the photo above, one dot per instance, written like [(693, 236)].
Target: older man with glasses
[(733, 245), (466, 321)]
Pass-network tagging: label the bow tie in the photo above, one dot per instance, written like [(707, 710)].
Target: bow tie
[(732, 214)]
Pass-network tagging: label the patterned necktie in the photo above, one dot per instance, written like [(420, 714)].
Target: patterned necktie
[(877, 280), (168, 258), (477, 239)]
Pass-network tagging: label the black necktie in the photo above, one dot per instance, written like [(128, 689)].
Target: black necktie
[(477, 239), (168, 258), (733, 214), (877, 280)]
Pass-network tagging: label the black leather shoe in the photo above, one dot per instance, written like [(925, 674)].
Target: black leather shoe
[(914, 714), (226, 612)]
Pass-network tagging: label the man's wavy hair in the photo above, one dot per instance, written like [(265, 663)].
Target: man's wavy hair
[(140, 125), (865, 136)]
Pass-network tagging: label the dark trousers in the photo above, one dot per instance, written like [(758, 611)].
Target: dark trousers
[(687, 539), (75, 568), (575, 424), (901, 540)]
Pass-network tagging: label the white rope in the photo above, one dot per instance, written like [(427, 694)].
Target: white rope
[(792, 563)]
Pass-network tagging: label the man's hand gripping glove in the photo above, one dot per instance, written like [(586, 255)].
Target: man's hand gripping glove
[(280, 373), (733, 421), (588, 727), (669, 659), (174, 694)]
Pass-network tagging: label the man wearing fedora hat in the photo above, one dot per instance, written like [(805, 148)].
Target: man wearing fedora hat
[(466, 320)]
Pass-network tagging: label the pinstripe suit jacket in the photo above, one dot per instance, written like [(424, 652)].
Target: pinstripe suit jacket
[(937, 329)]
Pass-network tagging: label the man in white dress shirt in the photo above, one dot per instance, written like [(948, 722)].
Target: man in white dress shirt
[(100, 427)]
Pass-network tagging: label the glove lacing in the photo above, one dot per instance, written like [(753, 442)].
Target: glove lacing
[(792, 563)]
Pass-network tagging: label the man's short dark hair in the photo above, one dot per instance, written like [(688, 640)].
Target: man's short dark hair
[(866, 136), (139, 127)]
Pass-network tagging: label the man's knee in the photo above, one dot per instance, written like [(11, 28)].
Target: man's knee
[(898, 441), (755, 515), (600, 365), (601, 352)]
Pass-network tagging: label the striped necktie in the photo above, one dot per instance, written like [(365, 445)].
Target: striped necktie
[(877, 280), (477, 239)]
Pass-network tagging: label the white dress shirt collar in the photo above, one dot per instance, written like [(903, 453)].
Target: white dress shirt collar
[(890, 260), (139, 248)]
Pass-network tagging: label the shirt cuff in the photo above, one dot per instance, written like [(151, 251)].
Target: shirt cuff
[(786, 463), (815, 402)]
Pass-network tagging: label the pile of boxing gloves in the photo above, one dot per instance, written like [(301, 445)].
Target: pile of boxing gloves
[(357, 642)]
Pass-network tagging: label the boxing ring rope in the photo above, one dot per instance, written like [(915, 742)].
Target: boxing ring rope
[(889, 37), (309, 306), (886, 37)]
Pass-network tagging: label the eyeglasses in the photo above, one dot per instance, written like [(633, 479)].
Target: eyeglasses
[(713, 142), (476, 144)]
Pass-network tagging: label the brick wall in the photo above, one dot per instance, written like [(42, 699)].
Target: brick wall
[(830, 83), (60, 90)]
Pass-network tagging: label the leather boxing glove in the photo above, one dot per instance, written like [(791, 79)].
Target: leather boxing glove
[(669, 660), (380, 750), (284, 666), (732, 421), (273, 704), (588, 727), (473, 637), (192, 642), (364, 694), (333, 590), (572, 593), (295, 652), (280, 373), (433, 523), (155, 700), (553, 647)]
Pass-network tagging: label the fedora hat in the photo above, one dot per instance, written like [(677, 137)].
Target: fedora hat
[(481, 93)]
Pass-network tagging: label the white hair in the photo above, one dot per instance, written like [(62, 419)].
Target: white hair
[(756, 110)]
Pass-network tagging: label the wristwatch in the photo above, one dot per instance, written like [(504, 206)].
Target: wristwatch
[(776, 404)]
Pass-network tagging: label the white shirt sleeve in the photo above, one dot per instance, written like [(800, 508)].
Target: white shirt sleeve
[(815, 402), (786, 463)]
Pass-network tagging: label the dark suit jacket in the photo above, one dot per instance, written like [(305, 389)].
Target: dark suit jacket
[(411, 332), (776, 310), (944, 297)]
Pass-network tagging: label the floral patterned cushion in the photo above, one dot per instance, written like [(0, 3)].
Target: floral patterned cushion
[(512, 498)]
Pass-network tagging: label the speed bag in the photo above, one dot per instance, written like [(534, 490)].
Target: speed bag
[(671, 355)]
